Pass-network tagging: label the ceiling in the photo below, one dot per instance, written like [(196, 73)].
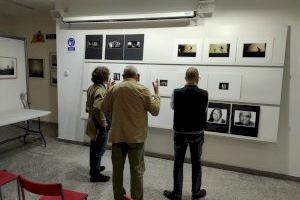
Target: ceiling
[(22, 8)]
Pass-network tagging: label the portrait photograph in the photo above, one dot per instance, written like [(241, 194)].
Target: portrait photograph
[(163, 82), (218, 117), (36, 68), (8, 67), (114, 45), (245, 120), (133, 44), (219, 50), (116, 76), (53, 60), (53, 78), (255, 50), (187, 50), (223, 86)]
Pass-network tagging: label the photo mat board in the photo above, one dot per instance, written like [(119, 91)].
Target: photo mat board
[(36, 67), (93, 46), (114, 47), (188, 50), (245, 120), (225, 86), (218, 117), (134, 47), (8, 67)]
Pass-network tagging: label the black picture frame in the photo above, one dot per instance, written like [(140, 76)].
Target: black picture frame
[(218, 117), (93, 46)]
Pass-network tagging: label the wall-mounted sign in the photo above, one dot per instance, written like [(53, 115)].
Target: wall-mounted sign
[(71, 44), (38, 38), (51, 36)]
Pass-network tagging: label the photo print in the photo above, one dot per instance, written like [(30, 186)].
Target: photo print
[(245, 120), (114, 48), (163, 82), (134, 48), (116, 76), (257, 50), (8, 67), (187, 50), (219, 50), (36, 68), (218, 115), (53, 78), (53, 60), (93, 46), (223, 86)]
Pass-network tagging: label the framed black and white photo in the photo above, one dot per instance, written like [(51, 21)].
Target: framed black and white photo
[(188, 49), (114, 47), (254, 51), (219, 50), (8, 67), (53, 78), (134, 47), (36, 67), (218, 115), (163, 83), (93, 46), (116, 76), (53, 60), (245, 120)]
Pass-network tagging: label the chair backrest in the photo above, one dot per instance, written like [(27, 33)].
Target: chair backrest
[(23, 97), (52, 189)]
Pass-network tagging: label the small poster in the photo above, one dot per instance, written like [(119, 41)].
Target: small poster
[(245, 120), (218, 115), (114, 47), (134, 47), (93, 46)]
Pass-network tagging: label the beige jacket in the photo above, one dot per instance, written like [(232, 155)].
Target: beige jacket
[(129, 103), (95, 95)]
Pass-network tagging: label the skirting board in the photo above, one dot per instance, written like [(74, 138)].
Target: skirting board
[(208, 164)]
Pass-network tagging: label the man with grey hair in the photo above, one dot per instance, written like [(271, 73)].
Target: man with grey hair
[(190, 107), (128, 103)]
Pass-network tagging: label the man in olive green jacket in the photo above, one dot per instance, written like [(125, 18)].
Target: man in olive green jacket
[(129, 103)]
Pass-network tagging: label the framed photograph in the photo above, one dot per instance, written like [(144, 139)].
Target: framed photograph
[(224, 86), (93, 46), (134, 47), (36, 67), (53, 78), (245, 120), (218, 117), (254, 51), (116, 76), (8, 67), (219, 50), (114, 47), (53, 60), (188, 49)]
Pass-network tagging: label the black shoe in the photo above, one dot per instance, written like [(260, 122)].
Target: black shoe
[(170, 195), (202, 193), (99, 178), (102, 168)]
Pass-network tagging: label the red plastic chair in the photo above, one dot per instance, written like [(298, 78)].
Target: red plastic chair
[(53, 191), (6, 177)]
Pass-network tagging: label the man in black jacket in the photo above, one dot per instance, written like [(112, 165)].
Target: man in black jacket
[(190, 110)]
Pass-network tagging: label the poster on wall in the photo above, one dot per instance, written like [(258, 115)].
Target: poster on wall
[(254, 50), (134, 47), (93, 46), (219, 50), (188, 49), (223, 86), (218, 117), (8, 67), (114, 47), (36, 67), (245, 120)]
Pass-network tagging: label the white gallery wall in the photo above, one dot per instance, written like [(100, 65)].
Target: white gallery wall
[(280, 157), (7, 25)]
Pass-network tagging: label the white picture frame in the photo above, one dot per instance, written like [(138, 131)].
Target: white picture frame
[(8, 67), (223, 53), (194, 44), (265, 57), (224, 86)]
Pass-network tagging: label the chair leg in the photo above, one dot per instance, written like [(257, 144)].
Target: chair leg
[(18, 188)]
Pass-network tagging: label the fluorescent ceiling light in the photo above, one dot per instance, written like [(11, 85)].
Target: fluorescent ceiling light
[(132, 17)]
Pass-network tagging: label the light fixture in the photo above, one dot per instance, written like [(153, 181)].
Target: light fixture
[(131, 17)]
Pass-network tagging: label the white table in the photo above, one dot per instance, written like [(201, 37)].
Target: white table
[(11, 117)]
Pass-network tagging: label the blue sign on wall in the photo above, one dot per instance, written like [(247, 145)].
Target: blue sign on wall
[(71, 44)]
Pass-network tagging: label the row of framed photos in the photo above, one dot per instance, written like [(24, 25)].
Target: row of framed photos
[(117, 47), (233, 119)]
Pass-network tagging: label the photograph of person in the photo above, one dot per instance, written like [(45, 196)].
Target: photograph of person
[(254, 50), (219, 50), (216, 115), (244, 118), (187, 50)]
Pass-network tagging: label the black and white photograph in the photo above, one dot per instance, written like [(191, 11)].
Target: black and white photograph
[(219, 50), (93, 49), (116, 76), (257, 50), (134, 49), (187, 50), (114, 47), (53, 78), (8, 67), (36, 67), (223, 86), (163, 83), (218, 117), (245, 120), (53, 60)]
